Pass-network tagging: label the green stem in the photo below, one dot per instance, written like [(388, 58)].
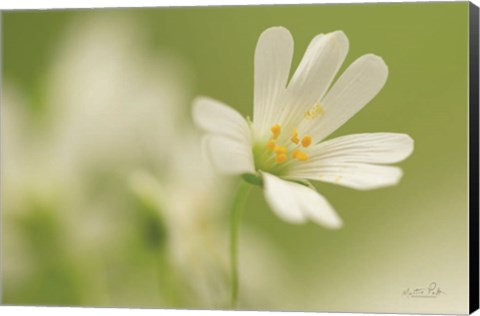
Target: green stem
[(235, 217)]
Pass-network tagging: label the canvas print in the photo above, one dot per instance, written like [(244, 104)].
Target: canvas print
[(282, 158)]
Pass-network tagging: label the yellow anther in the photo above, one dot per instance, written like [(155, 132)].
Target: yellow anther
[(276, 130), (300, 155), (280, 150), (315, 112), (294, 137), (306, 140), (271, 144), (280, 158), (295, 153)]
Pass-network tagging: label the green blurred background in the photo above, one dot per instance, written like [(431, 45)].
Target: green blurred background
[(393, 239)]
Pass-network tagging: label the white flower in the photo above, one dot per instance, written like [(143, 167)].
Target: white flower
[(283, 145)]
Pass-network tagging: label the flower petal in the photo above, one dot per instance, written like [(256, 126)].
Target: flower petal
[(359, 84), (295, 203), (360, 176), (215, 117), (273, 58), (229, 155), (282, 200), (315, 73), (364, 148), (317, 208)]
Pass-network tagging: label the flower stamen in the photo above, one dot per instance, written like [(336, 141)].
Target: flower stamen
[(271, 145), (280, 150), (280, 158), (315, 112), (294, 137), (281, 153), (276, 130), (295, 153), (300, 155), (306, 141)]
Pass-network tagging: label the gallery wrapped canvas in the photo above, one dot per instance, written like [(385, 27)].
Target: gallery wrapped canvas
[(283, 158)]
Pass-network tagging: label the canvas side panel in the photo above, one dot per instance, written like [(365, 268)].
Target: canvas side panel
[(474, 172)]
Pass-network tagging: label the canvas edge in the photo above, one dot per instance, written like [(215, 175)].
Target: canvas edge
[(474, 158)]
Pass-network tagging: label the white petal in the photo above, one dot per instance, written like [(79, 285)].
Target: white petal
[(229, 155), (295, 203), (316, 71), (218, 118), (273, 57), (364, 148), (359, 84), (360, 176), (282, 200), (317, 208)]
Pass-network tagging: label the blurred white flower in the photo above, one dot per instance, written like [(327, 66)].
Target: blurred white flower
[(17, 263), (192, 199), (114, 101), (111, 109), (283, 147)]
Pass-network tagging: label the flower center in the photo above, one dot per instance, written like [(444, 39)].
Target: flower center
[(277, 154), (293, 150)]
